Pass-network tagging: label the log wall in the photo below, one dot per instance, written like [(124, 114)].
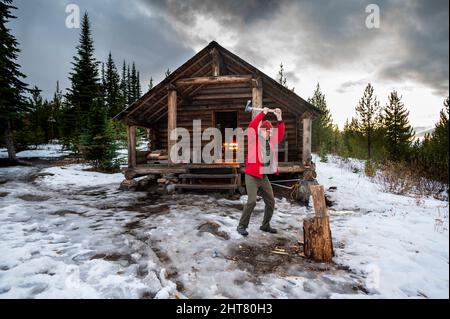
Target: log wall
[(219, 98)]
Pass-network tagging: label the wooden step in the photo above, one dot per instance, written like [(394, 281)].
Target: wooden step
[(216, 165), (206, 186), (208, 176)]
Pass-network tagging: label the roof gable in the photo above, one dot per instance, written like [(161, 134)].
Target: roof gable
[(200, 65)]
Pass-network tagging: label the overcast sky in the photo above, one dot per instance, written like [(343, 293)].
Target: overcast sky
[(324, 41)]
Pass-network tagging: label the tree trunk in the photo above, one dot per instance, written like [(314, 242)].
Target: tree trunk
[(318, 244), (9, 141)]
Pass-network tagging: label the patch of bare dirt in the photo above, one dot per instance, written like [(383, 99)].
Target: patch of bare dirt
[(213, 228), (275, 257)]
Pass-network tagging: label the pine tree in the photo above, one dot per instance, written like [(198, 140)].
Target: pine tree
[(138, 86), (398, 132), (124, 86), (129, 87), (97, 143), (85, 86), (351, 139), (322, 127), (135, 84), (112, 88), (12, 88), (368, 112), (282, 79), (150, 85), (56, 108), (435, 148), (38, 116), (103, 81)]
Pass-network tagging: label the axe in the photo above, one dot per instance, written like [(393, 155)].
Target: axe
[(249, 108)]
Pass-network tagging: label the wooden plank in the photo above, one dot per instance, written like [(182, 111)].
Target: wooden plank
[(215, 65), (208, 176), (131, 173), (171, 119), (225, 96), (224, 79), (218, 165), (131, 134), (206, 186)]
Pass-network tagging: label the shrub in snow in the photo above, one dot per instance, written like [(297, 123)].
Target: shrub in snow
[(396, 177), (369, 168)]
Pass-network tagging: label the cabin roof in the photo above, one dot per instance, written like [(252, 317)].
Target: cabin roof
[(140, 112)]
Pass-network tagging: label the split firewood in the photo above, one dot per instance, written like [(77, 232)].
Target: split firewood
[(279, 252)]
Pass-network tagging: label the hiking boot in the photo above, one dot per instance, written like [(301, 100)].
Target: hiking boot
[(268, 229), (242, 231)]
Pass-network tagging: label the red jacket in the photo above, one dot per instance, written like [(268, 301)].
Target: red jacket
[(253, 164)]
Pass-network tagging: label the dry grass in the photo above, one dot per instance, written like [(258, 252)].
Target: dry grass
[(399, 178)]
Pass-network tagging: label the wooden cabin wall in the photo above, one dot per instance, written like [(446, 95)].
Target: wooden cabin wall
[(203, 107)]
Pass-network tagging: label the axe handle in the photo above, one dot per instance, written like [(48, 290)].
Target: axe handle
[(261, 109)]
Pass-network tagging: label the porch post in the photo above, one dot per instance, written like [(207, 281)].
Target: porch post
[(257, 95), (131, 134), (171, 118), (306, 156)]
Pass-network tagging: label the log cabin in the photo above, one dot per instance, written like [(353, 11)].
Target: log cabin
[(214, 87)]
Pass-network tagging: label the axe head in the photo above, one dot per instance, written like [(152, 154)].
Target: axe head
[(249, 107)]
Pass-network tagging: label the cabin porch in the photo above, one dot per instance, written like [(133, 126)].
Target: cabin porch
[(223, 176)]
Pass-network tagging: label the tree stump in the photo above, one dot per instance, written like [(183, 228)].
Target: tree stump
[(318, 244)]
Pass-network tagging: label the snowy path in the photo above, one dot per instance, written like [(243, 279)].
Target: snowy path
[(71, 234)]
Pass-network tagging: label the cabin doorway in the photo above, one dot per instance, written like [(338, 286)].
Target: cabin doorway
[(224, 120)]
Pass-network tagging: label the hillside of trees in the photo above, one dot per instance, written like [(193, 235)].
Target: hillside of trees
[(382, 135), (81, 119)]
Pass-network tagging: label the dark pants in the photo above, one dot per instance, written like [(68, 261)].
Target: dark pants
[(253, 184)]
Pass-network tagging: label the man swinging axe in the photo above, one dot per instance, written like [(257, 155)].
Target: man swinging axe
[(261, 161)]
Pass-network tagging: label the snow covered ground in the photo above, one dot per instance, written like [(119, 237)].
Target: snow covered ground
[(43, 150), (70, 233)]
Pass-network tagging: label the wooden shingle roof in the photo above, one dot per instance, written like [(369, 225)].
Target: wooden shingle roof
[(142, 112)]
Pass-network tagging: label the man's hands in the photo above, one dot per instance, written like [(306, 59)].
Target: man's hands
[(278, 113)]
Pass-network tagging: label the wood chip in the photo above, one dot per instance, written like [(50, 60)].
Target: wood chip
[(279, 252)]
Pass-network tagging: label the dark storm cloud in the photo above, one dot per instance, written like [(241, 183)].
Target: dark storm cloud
[(227, 12), (346, 86), (424, 35), (331, 33), (48, 46), (412, 43)]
